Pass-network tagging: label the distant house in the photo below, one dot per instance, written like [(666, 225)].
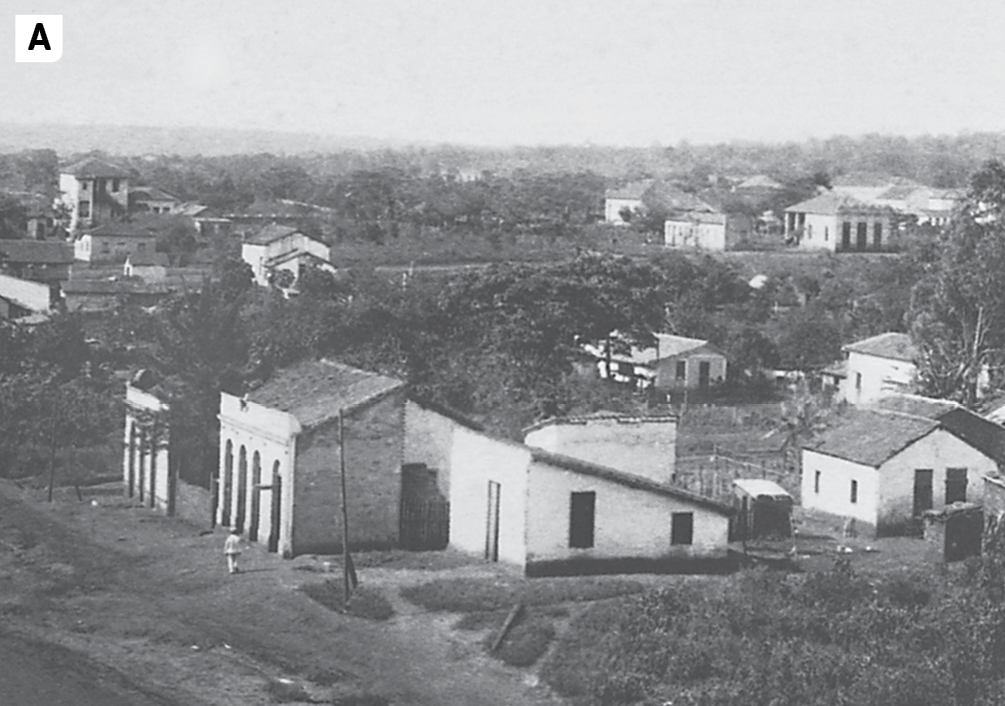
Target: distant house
[(20, 298), (553, 513), (885, 465), (674, 363), (39, 217), (627, 198), (208, 221), (150, 199), (275, 247), (114, 242), (704, 230), (757, 188), (94, 191), (875, 367), (100, 294), (841, 223), (48, 261), (148, 266), (285, 212), (650, 194)]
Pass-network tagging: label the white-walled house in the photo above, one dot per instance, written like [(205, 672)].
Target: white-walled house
[(146, 467), (840, 222), (626, 198), (548, 512), (94, 191), (674, 363), (877, 366), (885, 465), (285, 247)]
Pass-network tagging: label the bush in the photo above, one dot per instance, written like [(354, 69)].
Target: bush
[(365, 602), (467, 595)]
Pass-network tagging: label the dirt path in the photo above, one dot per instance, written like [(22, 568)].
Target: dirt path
[(148, 599)]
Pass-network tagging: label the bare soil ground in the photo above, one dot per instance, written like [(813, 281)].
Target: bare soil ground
[(139, 607)]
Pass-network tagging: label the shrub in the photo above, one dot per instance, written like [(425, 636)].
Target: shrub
[(468, 595), (526, 641)]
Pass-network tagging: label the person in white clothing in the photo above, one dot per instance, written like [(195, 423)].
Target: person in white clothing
[(232, 549)]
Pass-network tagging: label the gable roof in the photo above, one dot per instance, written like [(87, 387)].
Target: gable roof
[(602, 415), (41, 252), (667, 346), (94, 167), (873, 435), (760, 181), (296, 255), (833, 202), (314, 391), (150, 193), (271, 233), (896, 346)]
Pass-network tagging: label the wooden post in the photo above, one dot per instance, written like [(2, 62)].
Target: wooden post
[(346, 567)]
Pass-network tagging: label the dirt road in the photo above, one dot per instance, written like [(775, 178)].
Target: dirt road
[(120, 603)]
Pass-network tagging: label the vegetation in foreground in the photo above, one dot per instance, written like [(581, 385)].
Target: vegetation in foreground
[(821, 639)]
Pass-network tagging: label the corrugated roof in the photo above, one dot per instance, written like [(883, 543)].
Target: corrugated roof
[(43, 252), (896, 346), (94, 167), (627, 479), (314, 391)]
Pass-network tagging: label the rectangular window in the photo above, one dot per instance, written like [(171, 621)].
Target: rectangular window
[(84, 207), (858, 382), (582, 507), (846, 236), (862, 235), (854, 491), (956, 485), (626, 369), (827, 233), (922, 490), (681, 369), (816, 482), (877, 236), (115, 185), (682, 528)]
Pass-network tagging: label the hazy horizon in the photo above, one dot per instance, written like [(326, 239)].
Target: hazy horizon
[(527, 73)]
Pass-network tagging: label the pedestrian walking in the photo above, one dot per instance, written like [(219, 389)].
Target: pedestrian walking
[(232, 550)]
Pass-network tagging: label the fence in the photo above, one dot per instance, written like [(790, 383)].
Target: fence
[(713, 475)]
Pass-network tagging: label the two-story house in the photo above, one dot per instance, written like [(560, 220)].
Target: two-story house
[(94, 191), (874, 367), (282, 247)]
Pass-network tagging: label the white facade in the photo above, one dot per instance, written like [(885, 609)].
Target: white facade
[(870, 377), (688, 233), (146, 470), (884, 496), (84, 197), (259, 255), (613, 207), (248, 429)]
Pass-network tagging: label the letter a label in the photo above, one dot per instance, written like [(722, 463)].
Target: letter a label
[(38, 38)]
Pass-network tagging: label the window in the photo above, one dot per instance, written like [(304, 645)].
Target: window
[(827, 233), (85, 209), (956, 485), (816, 482), (854, 491), (858, 382), (626, 369), (682, 528), (877, 235), (581, 519), (862, 235), (681, 369), (115, 185), (846, 236)]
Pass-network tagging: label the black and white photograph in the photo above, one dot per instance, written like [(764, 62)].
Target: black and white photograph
[(509, 353)]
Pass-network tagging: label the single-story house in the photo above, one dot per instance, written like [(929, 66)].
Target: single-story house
[(281, 247), (885, 465), (114, 241), (148, 266), (49, 261), (21, 297), (674, 363), (840, 222), (281, 455), (150, 199), (99, 294), (550, 513), (876, 366)]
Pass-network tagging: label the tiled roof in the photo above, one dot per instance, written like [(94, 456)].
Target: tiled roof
[(104, 286), (698, 217), (147, 259), (870, 437), (270, 234), (667, 346), (94, 167), (896, 346), (602, 416), (916, 405), (42, 252), (314, 391), (900, 191), (127, 229), (283, 208), (150, 193), (832, 202), (626, 479)]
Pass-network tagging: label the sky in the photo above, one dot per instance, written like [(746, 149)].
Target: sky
[(528, 72)]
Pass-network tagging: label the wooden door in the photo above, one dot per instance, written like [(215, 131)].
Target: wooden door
[(277, 508), (704, 373)]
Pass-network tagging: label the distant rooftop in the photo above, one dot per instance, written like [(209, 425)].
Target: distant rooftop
[(832, 202), (40, 252), (896, 346), (94, 167)]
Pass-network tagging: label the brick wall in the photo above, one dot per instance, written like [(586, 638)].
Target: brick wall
[(373, 449)]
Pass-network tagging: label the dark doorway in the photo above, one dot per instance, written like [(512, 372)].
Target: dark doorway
[(277, 508), (846, 236), (424, 523), (242, 488), (256, 499), (877, 236), (492, 528), (922, 490), (862, 236), (582, 509), (956, 485), (704, 373), (682, 528), (132, 460)]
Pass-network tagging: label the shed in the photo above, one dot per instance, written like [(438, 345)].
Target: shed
[(763, 509)]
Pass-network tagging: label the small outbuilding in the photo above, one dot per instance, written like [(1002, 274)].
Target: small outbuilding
[(763, 509)]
